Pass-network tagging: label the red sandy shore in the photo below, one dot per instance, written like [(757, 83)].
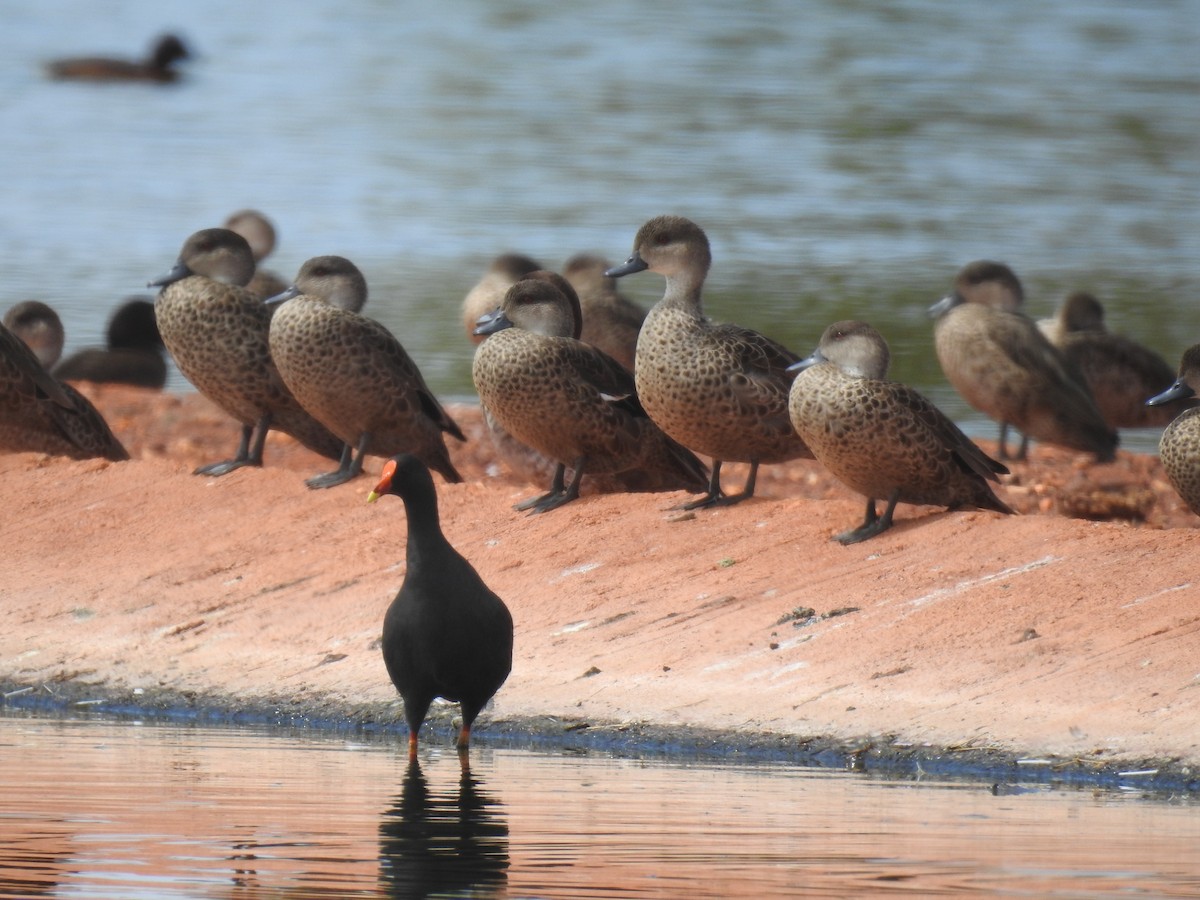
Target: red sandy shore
[(1038, 634)]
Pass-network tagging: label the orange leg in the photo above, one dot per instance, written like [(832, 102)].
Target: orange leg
[(464, 738), (412, 746)]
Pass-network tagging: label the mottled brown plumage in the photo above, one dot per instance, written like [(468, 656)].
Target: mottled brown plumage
[(1179, 446), (719, 390), (882, 438), (1120, 372), (486, 295), (611, 321), (39, 413), (352, 374), (568, 400), (1003, 366), (217, 332)]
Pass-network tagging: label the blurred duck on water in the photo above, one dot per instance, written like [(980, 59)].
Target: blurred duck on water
[(157, 67)]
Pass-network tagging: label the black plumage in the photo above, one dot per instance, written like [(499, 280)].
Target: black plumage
[(446, 634)]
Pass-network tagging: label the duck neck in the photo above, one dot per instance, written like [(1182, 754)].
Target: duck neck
[(683, 290)]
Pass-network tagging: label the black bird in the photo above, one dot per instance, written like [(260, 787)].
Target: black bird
[(446, 634)]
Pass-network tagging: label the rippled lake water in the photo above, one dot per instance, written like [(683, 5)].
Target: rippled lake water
[(100, 809), (845, 158)]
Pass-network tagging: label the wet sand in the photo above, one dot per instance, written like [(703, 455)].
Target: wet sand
[(1065, 643)]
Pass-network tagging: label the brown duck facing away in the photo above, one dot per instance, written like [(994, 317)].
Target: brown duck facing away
[(446, 634), (157, 67), (719, 390), (486, 295), (134, 354), (611, 321), (1001, 363), (259, 232), (218, 334), (568, 400), (39, 413), (1119, 371), (352, 374), (1179, 446), (882, 438)]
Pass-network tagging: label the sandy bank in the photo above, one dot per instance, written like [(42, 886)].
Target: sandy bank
[(1032, 635)]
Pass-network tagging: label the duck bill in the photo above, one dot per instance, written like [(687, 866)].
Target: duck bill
[(282, 296), (1178, 391), (490, 323), (634, 264), (944, 305), (807, 363), (178, 272)]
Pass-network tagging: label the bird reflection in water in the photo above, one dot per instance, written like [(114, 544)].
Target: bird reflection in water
[(443, 841)]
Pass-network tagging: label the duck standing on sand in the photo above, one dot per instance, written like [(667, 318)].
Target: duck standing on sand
[(882, 438), (567, 400), (39, 413), (719, 390), (1179, 446), (446, 634), (352, 374), (1003, 366), (134, 354), (1119, 371), (217, 331)]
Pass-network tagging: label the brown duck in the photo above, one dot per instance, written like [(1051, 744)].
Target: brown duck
[(719, 390), (568, 400), (217, 331), (39, 413), (1003, 366), (352, 374), (1179, 446), (882, 438)]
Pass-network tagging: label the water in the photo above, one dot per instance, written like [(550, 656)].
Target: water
[(845, 158), (97, 809)]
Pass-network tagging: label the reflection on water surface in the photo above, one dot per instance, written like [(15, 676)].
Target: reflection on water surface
[(102, 809)]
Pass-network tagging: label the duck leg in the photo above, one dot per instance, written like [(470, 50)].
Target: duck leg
[(1002, 451), (872, 524), (714, 496), (557, 488), (247, 455), (349, 466), (555, 500)]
